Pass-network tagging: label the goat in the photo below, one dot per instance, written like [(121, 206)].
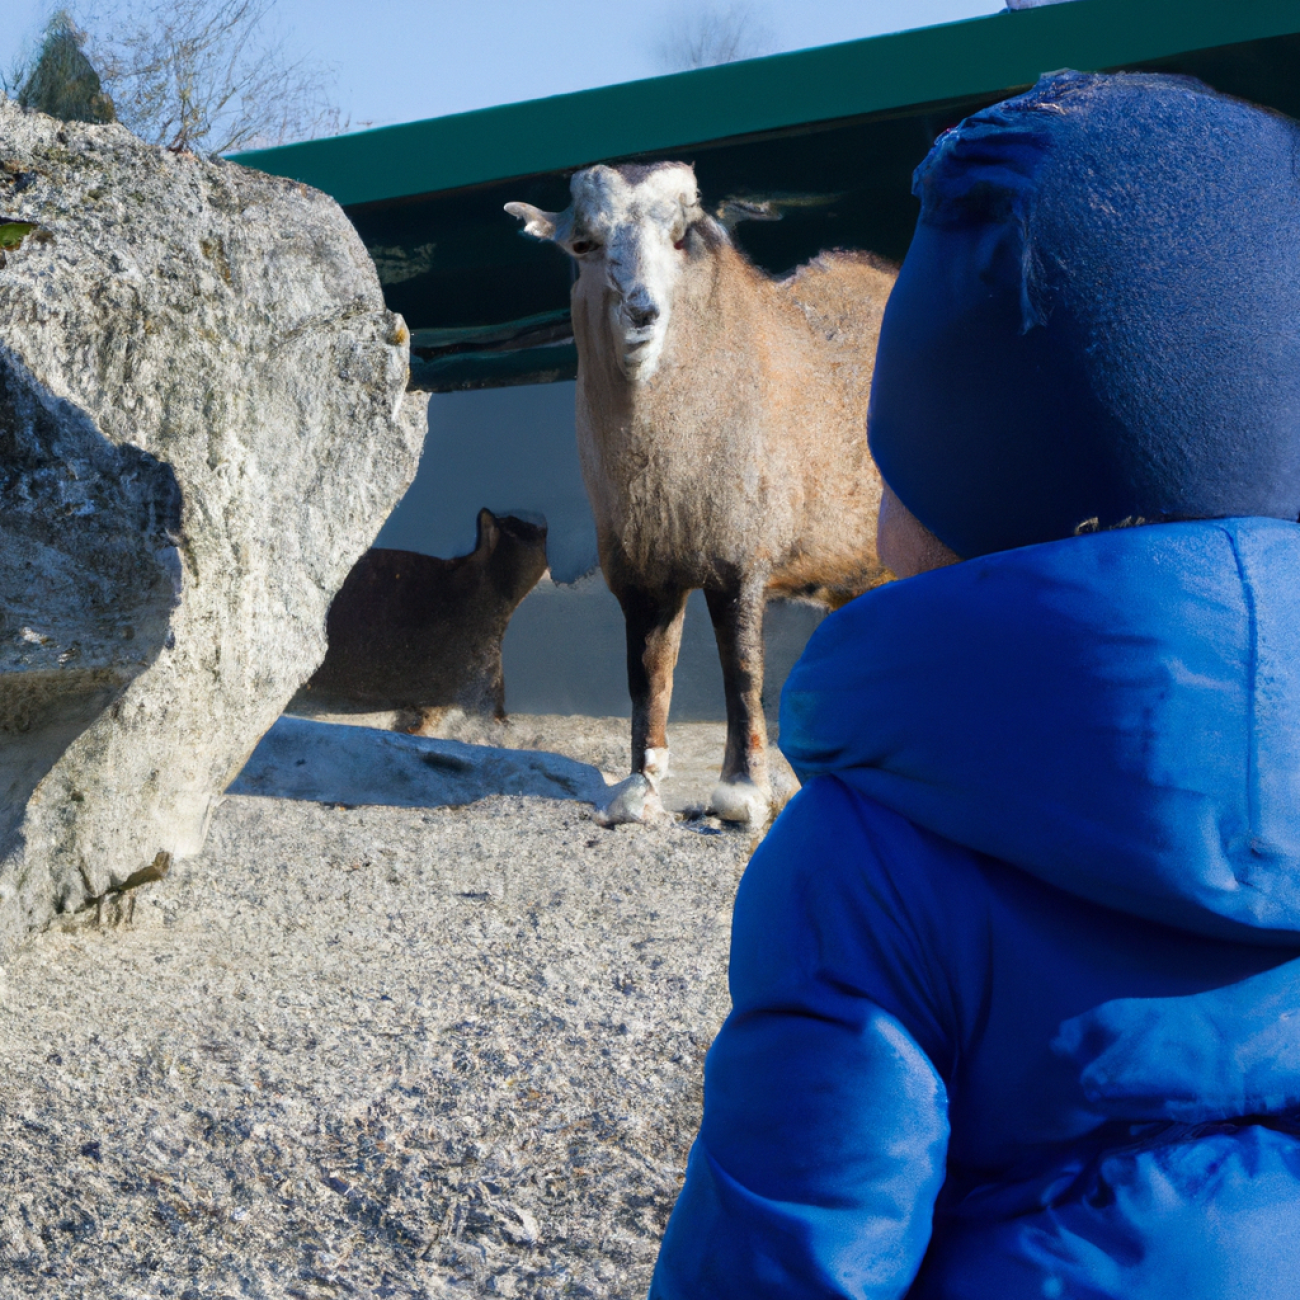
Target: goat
[(721, 431), (415, 633)]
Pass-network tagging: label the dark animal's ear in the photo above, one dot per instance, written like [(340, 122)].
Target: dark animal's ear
[(488, 532)]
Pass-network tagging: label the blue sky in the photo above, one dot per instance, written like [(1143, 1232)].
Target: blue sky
[(398, 61)]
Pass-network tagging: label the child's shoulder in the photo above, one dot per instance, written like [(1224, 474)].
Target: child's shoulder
[(845, 893), (835, 842)]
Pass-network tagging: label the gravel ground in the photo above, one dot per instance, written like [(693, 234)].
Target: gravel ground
[(368, 1052)]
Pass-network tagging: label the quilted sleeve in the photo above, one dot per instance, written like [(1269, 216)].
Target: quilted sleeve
[(825, 1124)]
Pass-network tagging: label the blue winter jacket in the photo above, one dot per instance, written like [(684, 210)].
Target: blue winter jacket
[(1016, 1010)]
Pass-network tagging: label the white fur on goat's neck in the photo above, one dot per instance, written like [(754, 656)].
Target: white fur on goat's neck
[(623, 229)]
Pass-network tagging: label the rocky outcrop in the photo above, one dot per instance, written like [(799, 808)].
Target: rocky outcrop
[(203, 423), (413, 632)]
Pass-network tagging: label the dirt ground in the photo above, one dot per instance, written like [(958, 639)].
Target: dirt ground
[(372, 1051)]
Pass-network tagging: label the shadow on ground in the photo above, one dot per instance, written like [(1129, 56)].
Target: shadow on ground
[(327, 762)]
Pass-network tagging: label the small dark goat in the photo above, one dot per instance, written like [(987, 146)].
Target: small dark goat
[(413, 633)]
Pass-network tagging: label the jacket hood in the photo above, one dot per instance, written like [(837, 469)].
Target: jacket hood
[(1117, 714)]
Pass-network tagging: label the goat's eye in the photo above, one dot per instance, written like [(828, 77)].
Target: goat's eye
[(679, 244), (582, 246)]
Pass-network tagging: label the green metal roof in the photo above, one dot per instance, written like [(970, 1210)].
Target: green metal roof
[(830, 136), (951, 61)]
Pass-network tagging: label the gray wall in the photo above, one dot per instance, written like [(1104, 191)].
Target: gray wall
[(513, 450)]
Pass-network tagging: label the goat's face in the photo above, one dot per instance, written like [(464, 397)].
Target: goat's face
[(626, 228)]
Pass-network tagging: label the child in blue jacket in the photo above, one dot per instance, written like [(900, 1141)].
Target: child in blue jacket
[(1016, 1010)]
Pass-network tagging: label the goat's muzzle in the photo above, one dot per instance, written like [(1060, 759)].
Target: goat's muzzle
[(641, 316)]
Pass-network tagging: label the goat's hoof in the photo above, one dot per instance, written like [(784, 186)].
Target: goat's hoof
[(741, 801), (655, 766), (632, 800)]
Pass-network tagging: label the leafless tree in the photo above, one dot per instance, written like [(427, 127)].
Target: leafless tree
[(209, 75), (701, 37)]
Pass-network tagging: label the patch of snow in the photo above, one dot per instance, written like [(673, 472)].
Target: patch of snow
[(327, 762)]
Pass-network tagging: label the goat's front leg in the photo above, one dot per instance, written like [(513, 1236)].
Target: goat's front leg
[(744, 794), (654, 636), (653, 620)]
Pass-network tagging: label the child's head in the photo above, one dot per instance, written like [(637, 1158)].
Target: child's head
[(1098, 319)]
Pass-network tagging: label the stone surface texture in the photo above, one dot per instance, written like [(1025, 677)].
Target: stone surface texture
[(202, 425), (368, 1052)]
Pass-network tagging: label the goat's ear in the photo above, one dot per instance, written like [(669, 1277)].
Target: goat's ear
[(539, 224), (691, 207)]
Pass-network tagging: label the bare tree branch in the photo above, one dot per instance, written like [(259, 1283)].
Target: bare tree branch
[(208, 75), (701, 37)]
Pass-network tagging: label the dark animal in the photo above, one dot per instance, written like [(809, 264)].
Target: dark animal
[(412, 632)]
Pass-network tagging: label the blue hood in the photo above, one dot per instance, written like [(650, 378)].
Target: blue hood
[(1117, 714), (1096, 316)]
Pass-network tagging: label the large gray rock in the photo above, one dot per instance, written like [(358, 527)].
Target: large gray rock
[(203, 423)]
